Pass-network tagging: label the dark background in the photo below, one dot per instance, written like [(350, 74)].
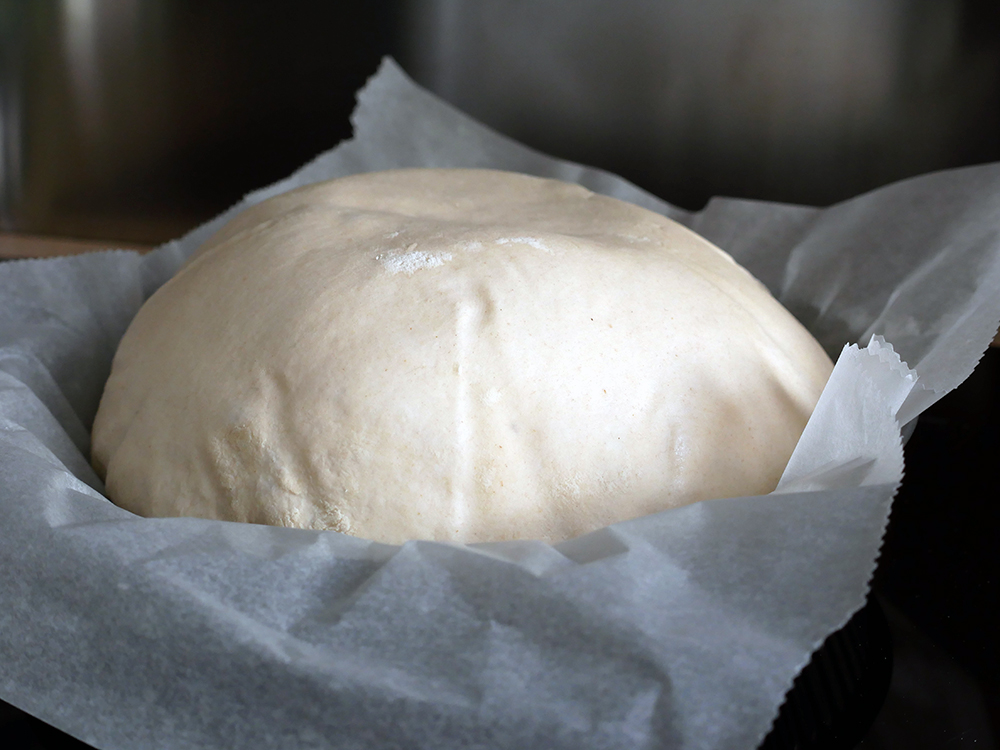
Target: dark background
[(138, 119)]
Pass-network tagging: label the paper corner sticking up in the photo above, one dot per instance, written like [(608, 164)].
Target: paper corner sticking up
[(853, 437)]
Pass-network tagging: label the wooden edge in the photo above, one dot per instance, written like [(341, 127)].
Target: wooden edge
[(20, 246)]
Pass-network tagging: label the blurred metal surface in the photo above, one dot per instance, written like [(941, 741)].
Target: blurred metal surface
[(792, 100), (136, 119), (11, 55)]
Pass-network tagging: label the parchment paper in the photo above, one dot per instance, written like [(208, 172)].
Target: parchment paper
[(683, 629)]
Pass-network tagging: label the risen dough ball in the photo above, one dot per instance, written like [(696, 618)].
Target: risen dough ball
[(461, 355)]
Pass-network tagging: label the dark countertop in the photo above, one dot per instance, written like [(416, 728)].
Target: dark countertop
[(939, 577)]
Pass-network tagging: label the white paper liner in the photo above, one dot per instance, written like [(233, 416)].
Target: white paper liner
[(683, 629)]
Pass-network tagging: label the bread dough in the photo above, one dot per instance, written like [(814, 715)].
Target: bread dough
[(464, 355)]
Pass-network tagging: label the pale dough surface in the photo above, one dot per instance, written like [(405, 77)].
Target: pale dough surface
[(464, 355)]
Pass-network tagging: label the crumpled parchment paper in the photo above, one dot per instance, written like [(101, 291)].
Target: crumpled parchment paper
[(683, 629)]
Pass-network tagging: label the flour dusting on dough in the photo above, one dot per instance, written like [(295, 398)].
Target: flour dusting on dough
[(411, 260), (529, 241)]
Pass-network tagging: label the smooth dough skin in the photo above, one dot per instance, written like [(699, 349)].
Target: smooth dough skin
[(463, 355)]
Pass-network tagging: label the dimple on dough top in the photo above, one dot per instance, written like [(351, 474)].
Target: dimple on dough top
[(465, 355)]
